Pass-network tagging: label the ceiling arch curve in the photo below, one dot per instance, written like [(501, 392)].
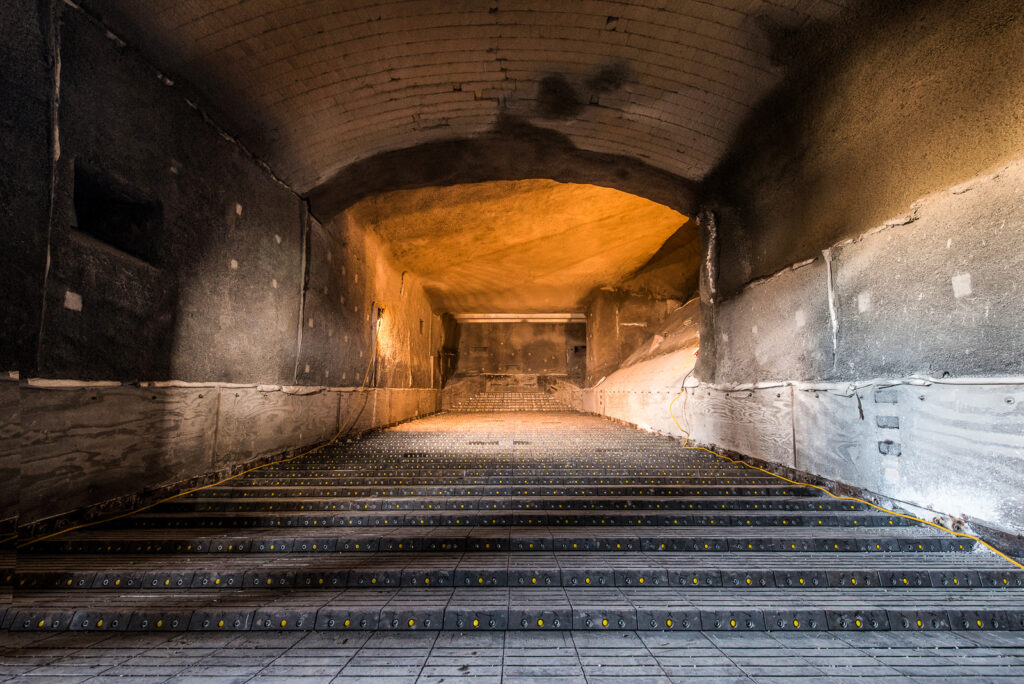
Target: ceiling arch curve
[(315, 86)]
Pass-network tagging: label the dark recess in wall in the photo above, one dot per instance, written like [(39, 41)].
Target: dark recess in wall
[(116, 214)]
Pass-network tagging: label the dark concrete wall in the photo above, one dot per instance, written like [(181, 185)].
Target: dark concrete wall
[(210, 288), (195, 317), (906, 176), (25, 126), (617, 323), (527, 348), (173, 253), (892, 101), (350, 277)]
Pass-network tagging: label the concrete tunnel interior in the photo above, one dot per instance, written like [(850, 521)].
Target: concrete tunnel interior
[(790, 232)]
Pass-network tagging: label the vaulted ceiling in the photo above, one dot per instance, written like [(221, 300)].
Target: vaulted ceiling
[(518, 246), (312, 86)]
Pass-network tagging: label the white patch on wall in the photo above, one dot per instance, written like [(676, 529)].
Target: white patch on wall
[(891, 475), (949, 243), (72, 300), (754, 330), (307, 367), (356, 277), (234, 265), (277, 238), (864, 302), (238, 210), (961, 285), (273, 283), (310, 322), (801, 318)]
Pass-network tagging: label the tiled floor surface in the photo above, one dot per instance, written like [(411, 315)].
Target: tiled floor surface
[(508, 657)]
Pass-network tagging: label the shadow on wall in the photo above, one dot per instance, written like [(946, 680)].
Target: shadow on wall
[(892, 101), (188, 330)]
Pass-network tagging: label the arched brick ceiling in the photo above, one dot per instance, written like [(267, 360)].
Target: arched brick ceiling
[(312, 86)]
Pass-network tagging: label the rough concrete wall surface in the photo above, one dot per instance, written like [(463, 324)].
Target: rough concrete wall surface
[(181, 275), (618, 321), (74, 437), (935, 294), (351, 274), (25, 129), (524, 347), (205, 284), (891, 103)]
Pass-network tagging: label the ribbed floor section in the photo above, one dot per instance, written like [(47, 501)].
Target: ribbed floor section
[(513, 521)]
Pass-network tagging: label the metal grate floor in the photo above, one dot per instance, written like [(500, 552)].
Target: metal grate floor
[(514, 522)]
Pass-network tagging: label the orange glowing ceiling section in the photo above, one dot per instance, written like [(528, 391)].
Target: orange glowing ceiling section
[(517, 246)]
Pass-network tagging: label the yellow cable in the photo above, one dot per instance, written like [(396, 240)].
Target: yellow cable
[(342, 426), (834, 496)]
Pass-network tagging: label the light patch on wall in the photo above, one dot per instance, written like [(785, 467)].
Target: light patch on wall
[(961, 285), (754, 330), (891, 475), (238, 210), (234, 265), (801, 318), (310, 322), (273, 283), (277, 239), (864, 302), (72, 300)]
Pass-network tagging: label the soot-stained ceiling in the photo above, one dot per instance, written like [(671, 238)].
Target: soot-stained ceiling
[(517, 246), (313, 86)]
